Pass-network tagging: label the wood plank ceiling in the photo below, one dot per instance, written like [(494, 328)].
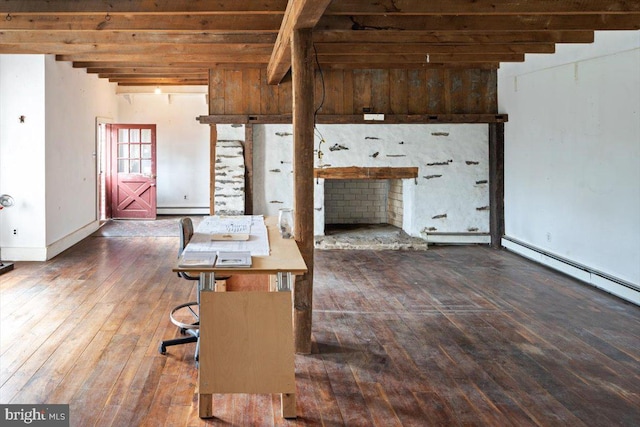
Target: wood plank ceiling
[(176, 42)]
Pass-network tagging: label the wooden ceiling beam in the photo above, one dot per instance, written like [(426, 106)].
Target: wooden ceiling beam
[(483, 7), (132, 37), (299, 14), (141, 6), (482, 37), (124, 76), (214, 61), (163, 80), (401, 59), (139, 49), (199, 37), (199, 61), (159, 62), (354, 49), (628, 21), (97, 67), (156, 39), (166, 59), (146, 70), (412, 66), (342, 7), (163, 83), (332, 49), (233, 22)]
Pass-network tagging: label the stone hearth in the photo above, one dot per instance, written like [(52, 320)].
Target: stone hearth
[(369, 237)]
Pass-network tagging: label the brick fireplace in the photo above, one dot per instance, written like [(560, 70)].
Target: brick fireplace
[(363, 201), (361, 195)]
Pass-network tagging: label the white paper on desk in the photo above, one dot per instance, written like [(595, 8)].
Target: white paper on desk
[(257, 244), (217, 224)]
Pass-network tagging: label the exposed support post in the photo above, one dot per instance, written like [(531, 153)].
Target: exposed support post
[(213, 139), (496, 183), (303, 104)]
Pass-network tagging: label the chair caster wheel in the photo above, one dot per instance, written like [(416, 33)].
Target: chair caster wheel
[(162, 349)]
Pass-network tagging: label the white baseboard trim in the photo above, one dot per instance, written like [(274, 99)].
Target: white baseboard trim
[(182, 211), (617, 287), (48, 252), (71, 239), (24, 254), (456, 238)]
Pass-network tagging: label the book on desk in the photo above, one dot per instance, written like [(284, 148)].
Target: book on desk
[(233, 259), (197, 259)]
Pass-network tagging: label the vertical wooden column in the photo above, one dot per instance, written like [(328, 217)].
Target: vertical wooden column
[(213, 139), (496, 183), (303, 102)]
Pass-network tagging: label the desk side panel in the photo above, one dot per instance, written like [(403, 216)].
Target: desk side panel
[(246, 343)]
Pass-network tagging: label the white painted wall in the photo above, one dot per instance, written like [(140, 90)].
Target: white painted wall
[(73, 100), (451, 160), (22, 156), (272, 168), (182, 145), (572, 153), (47, 162)]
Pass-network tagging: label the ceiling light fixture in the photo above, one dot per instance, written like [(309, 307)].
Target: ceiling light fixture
[(158, 91)]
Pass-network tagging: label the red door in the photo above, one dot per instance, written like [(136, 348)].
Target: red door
[(133, 171)]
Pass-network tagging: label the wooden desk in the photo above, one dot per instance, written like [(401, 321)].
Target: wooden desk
[(246, 338)]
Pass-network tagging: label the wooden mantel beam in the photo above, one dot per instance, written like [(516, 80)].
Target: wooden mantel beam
[(299, 14), (355, 172)]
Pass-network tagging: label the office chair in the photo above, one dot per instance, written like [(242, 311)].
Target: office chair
[(191, 329)]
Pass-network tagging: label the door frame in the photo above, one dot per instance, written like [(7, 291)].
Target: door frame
[(111, 151), (102, 165)]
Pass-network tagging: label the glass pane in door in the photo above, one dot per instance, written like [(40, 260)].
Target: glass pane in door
[(123, 166), (135, 135), (146, 167), (123, 135), (146, 151), (146, 136), (134, 151)]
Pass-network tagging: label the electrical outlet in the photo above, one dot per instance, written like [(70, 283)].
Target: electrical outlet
[(15, 231), (186, 197)]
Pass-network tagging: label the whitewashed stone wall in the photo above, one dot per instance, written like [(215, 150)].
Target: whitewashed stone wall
[(230, 184), (450, 195)]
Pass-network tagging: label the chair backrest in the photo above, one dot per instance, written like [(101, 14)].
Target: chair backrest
[(186, 233)]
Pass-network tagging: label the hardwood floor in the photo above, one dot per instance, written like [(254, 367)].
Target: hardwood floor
[(449, 336)]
